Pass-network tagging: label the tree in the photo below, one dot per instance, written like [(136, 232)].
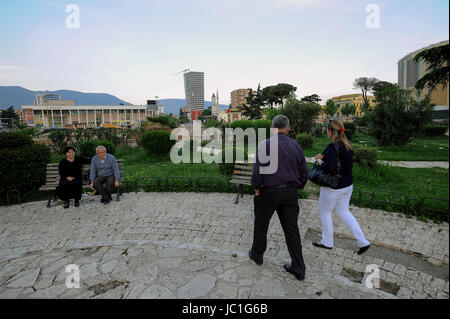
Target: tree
[(398, 117), (277, 94), (254, 101), (311, 98), (438, 68), (302, 115), (366, 85), (270, 113), (348, 109), (330, 108), (9, 115)]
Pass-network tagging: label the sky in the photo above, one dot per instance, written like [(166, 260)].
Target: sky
[(133, 48)]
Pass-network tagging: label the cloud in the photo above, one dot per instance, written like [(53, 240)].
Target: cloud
[(297, 3), (7, 67)]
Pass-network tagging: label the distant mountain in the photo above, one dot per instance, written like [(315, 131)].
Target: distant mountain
[(173, 105), (17, 96)]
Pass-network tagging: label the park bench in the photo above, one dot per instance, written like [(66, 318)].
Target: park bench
[(52, 179), (242, 175)]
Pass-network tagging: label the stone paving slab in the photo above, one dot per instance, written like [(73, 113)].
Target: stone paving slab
[(155, 245)]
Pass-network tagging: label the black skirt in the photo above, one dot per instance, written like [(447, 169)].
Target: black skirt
[(67, 190)]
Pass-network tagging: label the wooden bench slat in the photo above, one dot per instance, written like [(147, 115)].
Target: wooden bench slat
[(240, 182), (243, 173), (245, 168)]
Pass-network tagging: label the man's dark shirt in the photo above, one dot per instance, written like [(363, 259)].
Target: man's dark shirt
[(292, 168)]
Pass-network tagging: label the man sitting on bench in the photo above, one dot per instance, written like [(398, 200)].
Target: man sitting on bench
[(104, 170)]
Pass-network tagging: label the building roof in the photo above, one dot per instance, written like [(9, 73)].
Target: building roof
[(413, 54)]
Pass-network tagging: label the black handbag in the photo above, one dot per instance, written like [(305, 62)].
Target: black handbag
[(321, 178)]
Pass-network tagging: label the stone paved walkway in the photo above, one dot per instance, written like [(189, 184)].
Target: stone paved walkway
[(191, 245)]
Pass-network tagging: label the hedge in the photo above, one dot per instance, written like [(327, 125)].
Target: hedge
[(14, 140), (350, 129), (87, 148), (365, 156), (23, 168), (305, 140), (157, 142), (434, 130)]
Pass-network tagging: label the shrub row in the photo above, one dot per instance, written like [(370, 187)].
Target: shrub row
[(434, 130), (23, 163)]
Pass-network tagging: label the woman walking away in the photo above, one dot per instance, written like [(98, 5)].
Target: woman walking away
[(338, 197), (70, 172)]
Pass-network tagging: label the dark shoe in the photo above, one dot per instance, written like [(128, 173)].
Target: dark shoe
[(102, 200), (362, 250), (288, 269), (316, 244), (258, 262), (107, 201), (66, 204), (77, 203)]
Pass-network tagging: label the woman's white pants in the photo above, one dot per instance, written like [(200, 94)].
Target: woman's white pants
[(339, 199)]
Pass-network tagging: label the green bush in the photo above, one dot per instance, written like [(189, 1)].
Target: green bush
[(305, 140), (23, 168), (60, 139), (243, 124), (350, 130), (14, 140), (212, 123), (434, 130), (87, 148), (319, 129), (365, 156), (362, 121), (166, 120), (157, 142), (262, 124)]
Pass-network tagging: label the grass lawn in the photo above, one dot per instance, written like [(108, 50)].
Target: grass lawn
[(420, 149)]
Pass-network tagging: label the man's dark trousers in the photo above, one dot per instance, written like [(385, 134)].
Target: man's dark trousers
[(285, 202), (109, 186)]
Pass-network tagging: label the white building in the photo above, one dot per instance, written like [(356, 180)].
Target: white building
[(86, 115)]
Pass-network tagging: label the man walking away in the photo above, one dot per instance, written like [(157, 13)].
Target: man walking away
[(278, 191)]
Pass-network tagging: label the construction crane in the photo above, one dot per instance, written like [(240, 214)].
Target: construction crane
[(185, 71)]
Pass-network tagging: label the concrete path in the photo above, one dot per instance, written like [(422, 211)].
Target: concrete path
[(191, 245), (407, 164)]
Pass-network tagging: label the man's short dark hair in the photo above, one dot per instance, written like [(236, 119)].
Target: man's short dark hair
[(280, 122), (68, 148)]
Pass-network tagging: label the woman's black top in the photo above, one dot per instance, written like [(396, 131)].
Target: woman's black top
[(346, 159), (73, 169)]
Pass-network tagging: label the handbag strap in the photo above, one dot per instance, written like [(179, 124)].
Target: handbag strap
[(338, 163)]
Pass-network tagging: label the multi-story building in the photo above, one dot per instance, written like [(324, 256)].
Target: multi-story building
[(356, 99), (82, 116), (239, 98), (409, 72), (40, 99), (194, 89)]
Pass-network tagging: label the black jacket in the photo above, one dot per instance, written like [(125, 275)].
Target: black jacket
[(346, 159)]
